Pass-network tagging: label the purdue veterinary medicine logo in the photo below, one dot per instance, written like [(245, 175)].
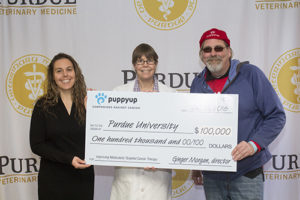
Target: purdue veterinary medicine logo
[(181, 182), (276, 4), (285, 78), (165, 14), (25, 82), (38, 7)]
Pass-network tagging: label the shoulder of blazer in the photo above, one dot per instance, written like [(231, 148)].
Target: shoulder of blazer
[(164, 88), (126, 87), (130, 85)]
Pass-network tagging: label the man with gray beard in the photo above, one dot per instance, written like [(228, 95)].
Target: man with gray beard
[(261, 118)]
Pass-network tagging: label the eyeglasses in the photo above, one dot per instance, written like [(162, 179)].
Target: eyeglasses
[(216, 48), (141, 62)]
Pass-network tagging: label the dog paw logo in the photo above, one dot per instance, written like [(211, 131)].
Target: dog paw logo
[(165, 14), (181, 182), (100, 98), (25, 82), (285, 78)]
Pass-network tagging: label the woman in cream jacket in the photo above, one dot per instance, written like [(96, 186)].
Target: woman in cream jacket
[(138, 183)]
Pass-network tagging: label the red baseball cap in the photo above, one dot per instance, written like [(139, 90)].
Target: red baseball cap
[(214, 34)]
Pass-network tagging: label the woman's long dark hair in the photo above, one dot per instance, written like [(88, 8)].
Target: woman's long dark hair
[(78, 90)]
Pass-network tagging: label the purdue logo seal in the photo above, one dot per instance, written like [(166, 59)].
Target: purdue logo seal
[(25, 82), (165, 14), (181, 182), (285, 78)]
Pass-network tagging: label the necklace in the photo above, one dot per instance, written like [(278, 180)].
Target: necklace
[(147, 89)]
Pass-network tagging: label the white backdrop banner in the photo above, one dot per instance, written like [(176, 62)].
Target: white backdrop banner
[(101, 36)]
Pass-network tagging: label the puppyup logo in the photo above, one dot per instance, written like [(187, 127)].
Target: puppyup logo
[(102, 98)]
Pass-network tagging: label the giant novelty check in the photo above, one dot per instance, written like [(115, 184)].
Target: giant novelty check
[(162, 130)]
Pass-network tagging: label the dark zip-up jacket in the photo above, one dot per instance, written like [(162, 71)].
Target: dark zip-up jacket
[(261, 115)]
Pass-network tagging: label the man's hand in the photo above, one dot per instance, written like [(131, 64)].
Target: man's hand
[(242, 150), (197, 177)]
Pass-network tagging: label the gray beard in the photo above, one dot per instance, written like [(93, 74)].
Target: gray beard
[(215, 68)]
